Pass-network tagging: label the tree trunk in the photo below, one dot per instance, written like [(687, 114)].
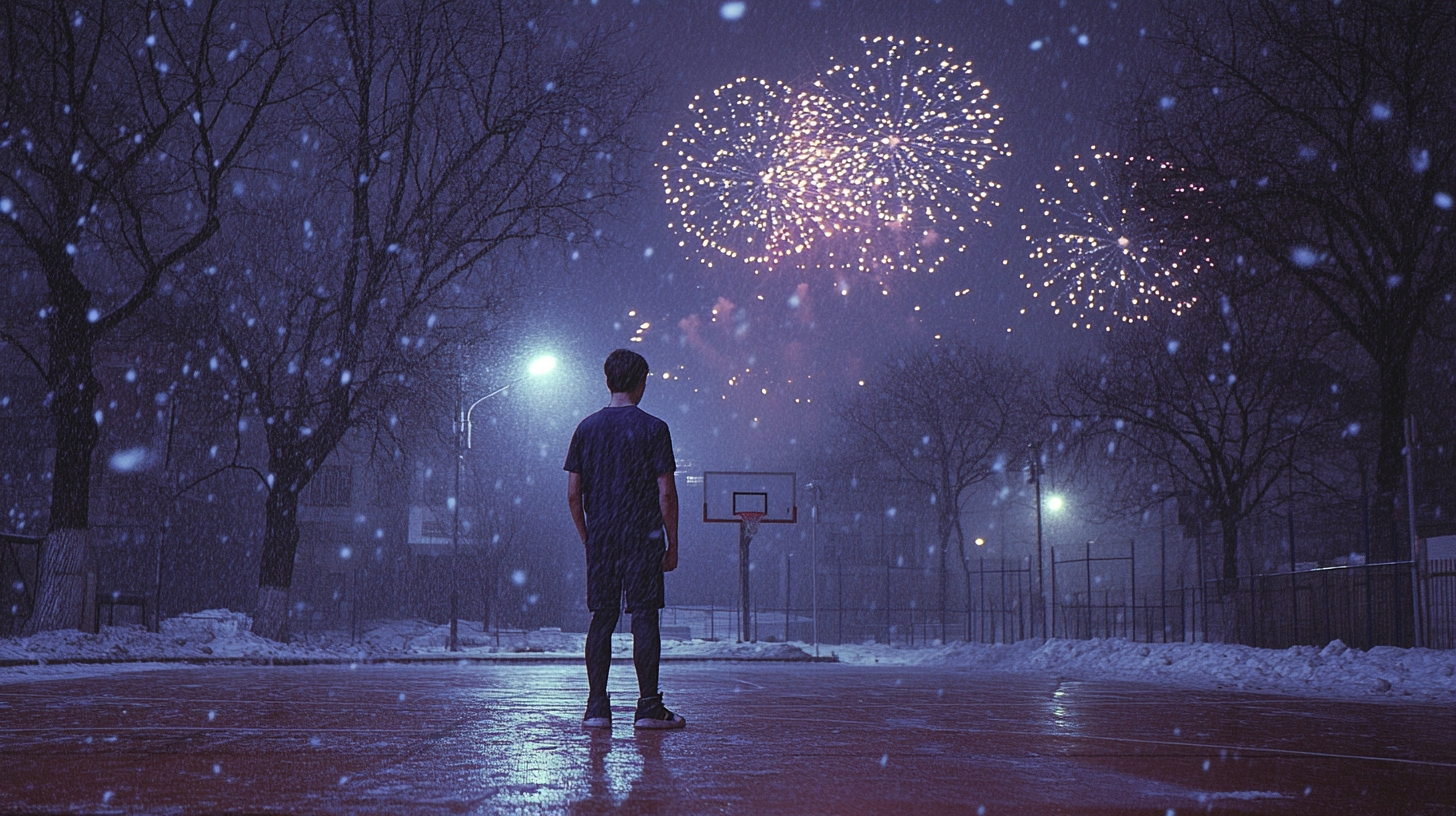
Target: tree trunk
[(61, 594), (1388, 544), (77, 428), (270, 619), (1229, 584), (61, 584), (966, 569), (944, 592), (280, 546)]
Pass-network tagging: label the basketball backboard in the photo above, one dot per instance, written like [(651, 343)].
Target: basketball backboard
[(727, 494)]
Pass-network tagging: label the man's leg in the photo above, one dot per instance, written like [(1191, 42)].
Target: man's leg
[(647, 657), (644, 604), (599, 650), (646, 650)]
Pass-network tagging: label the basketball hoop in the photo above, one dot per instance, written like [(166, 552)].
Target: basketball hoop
[(750, 521)]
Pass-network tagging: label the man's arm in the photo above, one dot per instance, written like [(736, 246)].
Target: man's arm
[(667, 501), (573, 500)]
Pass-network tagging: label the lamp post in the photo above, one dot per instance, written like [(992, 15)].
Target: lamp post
[(814, 572), (1054, 504), (463, 442), (1040, 570)]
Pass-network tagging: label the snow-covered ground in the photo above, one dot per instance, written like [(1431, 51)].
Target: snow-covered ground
[(1335, 671), (219, 635)]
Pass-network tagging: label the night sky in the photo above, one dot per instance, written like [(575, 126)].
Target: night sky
[(1059, 72)]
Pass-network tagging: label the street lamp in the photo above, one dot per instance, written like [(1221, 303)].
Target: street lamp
[(1053, 503), (544, 364)]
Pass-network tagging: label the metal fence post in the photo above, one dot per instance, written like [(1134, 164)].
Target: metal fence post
[(788, 590), (981, 628), (1132, 595), (1410, 492), (1020, 607), (1088, 565), (1163, 570), (1054, 592)]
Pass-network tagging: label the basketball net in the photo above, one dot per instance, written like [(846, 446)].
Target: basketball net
[(750, 521)]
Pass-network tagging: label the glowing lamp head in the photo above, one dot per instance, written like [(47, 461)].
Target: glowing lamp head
[(980, 542), (544, 364), (1054, 503)]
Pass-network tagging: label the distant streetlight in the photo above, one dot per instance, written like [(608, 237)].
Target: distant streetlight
[(544, 364), (980, 542), (1054, 503)]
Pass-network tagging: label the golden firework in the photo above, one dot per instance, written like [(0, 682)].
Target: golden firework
[(742, 180), (911, 133), (881, 164)]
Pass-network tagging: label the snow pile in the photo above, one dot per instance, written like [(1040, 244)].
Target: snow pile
[(416, 637), (216, 633), (207, 625), (727, 650), (224, 634), (1334, 671), (421, 638)]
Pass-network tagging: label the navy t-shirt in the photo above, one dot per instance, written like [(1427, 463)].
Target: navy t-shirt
[(619, 453)]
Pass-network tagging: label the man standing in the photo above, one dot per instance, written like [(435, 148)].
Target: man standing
[(623, 499)]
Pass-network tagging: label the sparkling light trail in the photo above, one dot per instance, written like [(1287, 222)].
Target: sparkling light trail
[(910, 134), (879, 166), (744, 183), (1112, 259)]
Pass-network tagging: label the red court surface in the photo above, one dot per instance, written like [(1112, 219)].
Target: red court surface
[(762, 738)]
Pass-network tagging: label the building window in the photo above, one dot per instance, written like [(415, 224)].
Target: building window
[(434, 527), (332, 486)]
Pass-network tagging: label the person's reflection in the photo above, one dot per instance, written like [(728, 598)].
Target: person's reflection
[(601, 781), (648, 789), (653, 786)]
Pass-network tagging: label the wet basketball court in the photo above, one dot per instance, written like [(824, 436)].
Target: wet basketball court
[(761, 738)]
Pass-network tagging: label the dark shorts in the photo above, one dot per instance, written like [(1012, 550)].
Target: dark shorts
[(618, 565)]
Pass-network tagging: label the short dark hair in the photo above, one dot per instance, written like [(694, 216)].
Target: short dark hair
[(625, 371)]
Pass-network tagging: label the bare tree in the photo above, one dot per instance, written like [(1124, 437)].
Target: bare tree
[(447, 136), (946, 419), (122, 124), (1325, 136), (1213, 402)]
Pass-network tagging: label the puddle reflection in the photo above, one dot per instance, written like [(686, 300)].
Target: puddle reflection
[(1062, 715)]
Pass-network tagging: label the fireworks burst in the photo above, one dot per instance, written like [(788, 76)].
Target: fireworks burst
[(911, 136), (744, 182), (1112, 258), (882, 163)]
